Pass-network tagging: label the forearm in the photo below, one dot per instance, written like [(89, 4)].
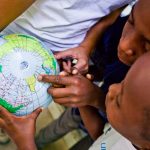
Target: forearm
[(11, 9), (92, 121), (31, 146), (96, 32), (98, 99)]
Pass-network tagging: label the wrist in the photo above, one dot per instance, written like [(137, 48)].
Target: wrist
[(26, 145), (99, 99), (25, 142), (87, 47)]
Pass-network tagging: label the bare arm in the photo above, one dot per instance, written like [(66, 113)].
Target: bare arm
[(86, 47), (20, 129), (92, 121), (27, 145), (11, 9), (96, 32)]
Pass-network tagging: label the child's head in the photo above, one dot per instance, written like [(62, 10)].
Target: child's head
[(135, 38), (128, 103)]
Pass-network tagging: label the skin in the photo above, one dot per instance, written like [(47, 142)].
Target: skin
[(126, 103), (123, 111), (86, 47), (9, 11), (96, 125), (134, 42), (11, 123), (77, 91), (20, 129), (122, 108), (135, 38), (121, 118)]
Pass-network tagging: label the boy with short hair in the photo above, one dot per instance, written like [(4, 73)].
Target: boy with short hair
[(127, 107), (60, 30)]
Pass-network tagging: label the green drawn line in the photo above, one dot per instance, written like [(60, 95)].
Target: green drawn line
[(26, 36), (9, 107), (1, 68)]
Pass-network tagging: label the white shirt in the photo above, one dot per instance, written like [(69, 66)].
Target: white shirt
[(62, 24), (111, 140)]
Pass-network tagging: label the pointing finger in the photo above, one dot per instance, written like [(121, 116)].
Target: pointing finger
[(60, 92), (35, 113), (56, 79)]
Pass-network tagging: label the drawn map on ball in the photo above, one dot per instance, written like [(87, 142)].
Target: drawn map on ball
[(22, 59)]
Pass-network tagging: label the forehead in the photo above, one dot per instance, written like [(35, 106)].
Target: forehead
[(141, 14), (137, 83)]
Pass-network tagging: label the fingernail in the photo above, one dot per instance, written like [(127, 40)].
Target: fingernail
[(63, 73), (75, 71), (88, 75), (74, 61), (39, 78)]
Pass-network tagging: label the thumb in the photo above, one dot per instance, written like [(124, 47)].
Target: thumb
[(89, 76), (81, 67), (35, 113)]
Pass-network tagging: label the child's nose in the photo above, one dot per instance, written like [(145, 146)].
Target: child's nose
[(114, 90), (111, 92)]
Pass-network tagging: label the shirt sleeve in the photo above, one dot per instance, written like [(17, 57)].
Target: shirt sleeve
[(107, 6)]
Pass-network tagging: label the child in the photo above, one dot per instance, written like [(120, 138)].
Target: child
[(136, 36), (127, 107), (64, 25), (144, 10), (58, 18), (132, 45), (134, 42), (128, 104)]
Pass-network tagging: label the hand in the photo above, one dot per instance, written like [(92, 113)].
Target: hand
[(77, 90), (78, 53), (20, 129)]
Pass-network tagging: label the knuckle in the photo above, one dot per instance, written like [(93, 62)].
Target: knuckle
[(84, 62), (9, 121), (1, 109), (76, 91), (2, 125), (76, 81), (75, 100), (45, 78), (57, 80)]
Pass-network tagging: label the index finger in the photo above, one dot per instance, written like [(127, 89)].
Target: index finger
[(35, 113), (56, 79)]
